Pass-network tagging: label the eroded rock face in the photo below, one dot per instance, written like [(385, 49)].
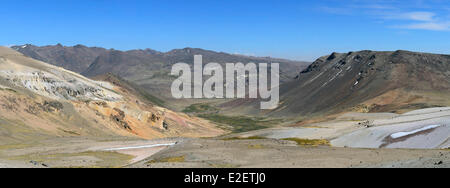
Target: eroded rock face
[(51, 81), (51, 85), (118, 116), (46, 106)]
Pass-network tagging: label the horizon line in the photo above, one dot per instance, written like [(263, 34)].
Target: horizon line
[(238, 54)]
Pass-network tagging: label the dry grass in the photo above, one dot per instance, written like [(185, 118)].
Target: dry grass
[(177, 159), (14, 146), (315, 127), (308, 142), (244, 138), (241, 124), (223, 166), (199, 108), (8, 89), (256, 146)]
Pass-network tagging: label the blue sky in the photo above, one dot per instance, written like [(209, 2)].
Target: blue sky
[(293, 29)]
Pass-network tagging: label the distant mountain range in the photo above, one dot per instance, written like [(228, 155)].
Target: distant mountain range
[(93, 61), (76, 58), (147, 68), (364, 81)]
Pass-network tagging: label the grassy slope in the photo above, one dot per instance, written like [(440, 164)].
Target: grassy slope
[(240, 123)]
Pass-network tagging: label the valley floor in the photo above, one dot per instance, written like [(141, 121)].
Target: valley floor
[(271, 153), (415, 139), (212, 153), (80, 152)]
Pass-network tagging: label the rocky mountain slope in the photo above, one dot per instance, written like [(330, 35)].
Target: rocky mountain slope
[(365, 81), (39, 101), (370, 81)]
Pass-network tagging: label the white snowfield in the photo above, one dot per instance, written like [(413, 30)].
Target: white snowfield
[(403, 134), (420, 129)]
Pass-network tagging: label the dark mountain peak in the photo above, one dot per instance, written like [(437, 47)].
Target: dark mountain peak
[(370, 60), (77, 58), (22, 46), (187, 50), (79, 46), (113, 52), (385, 80), (333, 56), (151, 51), (193, 51), (404, 51), (176, 51), (146, 51)]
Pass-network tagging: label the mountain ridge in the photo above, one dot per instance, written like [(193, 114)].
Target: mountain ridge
[(146, 68), (364, 81), (369, 74), (23, 49)]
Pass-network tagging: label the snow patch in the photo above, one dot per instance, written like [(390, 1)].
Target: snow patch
[(106, 85), (403, 134), (140, 147), (334, 77)]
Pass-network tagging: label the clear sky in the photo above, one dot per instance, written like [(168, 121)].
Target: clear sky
[(294, 29)]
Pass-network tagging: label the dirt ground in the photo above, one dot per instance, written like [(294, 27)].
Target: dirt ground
[(269, 153), (267, 148), (209, 153), (77, 152)]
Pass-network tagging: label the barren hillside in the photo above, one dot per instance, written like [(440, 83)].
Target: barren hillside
[(39, 101), (365, 81)]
